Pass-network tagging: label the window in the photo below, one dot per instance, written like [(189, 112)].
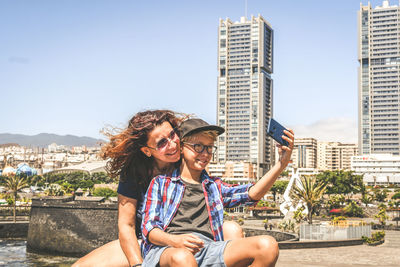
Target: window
[(222, 73), (223, 43)]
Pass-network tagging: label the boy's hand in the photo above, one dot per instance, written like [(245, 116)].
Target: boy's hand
[(189, 241), (284, 151)]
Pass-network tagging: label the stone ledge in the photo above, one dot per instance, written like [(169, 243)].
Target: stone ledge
[(279, 236), (72, 202), (319, 244), (91, 199)]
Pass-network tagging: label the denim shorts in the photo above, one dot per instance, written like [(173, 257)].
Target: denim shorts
[(212, 254)]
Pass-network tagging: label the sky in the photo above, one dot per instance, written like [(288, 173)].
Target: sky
[(75, 67)]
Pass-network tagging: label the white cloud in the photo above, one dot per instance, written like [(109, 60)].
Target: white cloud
[(339, 129)]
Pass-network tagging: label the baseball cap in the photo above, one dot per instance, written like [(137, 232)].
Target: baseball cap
[(192, 126)]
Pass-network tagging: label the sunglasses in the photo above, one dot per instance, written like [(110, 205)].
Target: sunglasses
[(199, 148), (164, 142)]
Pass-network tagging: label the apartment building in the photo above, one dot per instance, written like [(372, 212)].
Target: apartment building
[(335, 156), (379, 79), (304, 153), (244, 93)]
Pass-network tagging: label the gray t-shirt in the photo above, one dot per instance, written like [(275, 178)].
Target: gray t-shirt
[(192, 214)]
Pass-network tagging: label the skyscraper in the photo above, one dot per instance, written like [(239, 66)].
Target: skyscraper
[(379, 79), (244, 102)]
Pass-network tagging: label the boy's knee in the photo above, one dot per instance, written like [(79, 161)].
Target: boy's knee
[(268, 244), (232, 230), (182, 256)]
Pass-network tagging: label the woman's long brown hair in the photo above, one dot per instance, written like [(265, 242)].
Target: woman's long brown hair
[(123, 149)]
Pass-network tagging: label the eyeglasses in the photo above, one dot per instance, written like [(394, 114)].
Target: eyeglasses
[(199, 148), (164, 142)]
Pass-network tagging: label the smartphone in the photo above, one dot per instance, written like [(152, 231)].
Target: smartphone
[(275, 130)]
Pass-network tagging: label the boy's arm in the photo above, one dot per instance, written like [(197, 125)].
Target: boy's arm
[(189, 241), (257, 191), (249, 194)]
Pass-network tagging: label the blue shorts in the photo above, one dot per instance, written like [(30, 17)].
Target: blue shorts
[(212, 254)]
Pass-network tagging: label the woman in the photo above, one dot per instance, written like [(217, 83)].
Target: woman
[(149, 146)]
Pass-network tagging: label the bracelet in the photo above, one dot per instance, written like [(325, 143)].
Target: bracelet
[(137, 265)]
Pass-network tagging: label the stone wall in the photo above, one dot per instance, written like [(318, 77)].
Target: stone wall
[(279, 236), (13, 230), (71, 227)]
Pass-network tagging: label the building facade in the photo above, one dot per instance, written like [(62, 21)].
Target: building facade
[(378, 169), (244, 171), (304, 153), (335, 156), (244, 104), (379, 79)]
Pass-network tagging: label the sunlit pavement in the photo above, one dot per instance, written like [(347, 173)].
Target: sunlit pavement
[(387, 254)]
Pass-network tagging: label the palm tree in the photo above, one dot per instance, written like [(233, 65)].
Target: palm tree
[(367, 199), (309, 191), (14, 183)]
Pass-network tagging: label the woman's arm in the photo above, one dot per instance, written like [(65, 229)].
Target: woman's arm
[(257, 191), (126, 228)]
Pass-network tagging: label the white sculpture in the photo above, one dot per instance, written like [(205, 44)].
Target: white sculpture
[(288, 207)]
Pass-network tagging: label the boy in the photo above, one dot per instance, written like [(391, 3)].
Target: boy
[(183, 216)]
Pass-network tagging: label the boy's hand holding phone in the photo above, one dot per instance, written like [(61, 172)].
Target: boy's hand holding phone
[(285, 139)]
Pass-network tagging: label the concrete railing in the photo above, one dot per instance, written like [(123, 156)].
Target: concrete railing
[(334, 232)]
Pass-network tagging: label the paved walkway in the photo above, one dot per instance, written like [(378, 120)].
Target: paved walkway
[(385, 255)]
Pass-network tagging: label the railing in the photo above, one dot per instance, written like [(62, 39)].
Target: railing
[(21, 210), (346, 223), (341, 230), (239, 209)]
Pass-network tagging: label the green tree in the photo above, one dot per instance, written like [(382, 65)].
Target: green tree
[(279, 187), (335, 201), (35, 179), (104, 192), (67, 187), (394, 205), (285, 173), (396, 196), (380, 195), (298, 215), (101, 177), (342, 182), (85, 184), (382, 216), (54, 190), (15, 183), (367, 199), (262, 203), (353, 210), (309, 191)]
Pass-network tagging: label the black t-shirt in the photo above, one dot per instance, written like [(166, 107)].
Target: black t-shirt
[(131, 189), (192, 214)]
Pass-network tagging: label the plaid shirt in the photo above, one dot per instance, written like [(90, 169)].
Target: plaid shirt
[(165, 193)]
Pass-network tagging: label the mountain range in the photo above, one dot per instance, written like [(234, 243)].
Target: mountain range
[(45, 139)]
